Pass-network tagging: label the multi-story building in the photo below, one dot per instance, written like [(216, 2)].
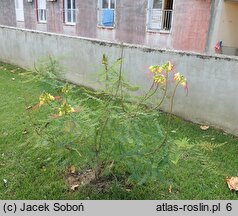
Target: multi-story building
[(189, 25)]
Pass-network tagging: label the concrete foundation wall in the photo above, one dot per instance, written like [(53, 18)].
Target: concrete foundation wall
[(213, 89)]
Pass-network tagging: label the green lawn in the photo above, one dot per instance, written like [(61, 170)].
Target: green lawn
[(29, 170)]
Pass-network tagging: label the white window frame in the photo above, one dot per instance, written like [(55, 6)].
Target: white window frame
[(41, 11), (71, 10), (19, 8), (163, 16), (100, 10)]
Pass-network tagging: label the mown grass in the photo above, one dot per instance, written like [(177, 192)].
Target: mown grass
[(32, 171)]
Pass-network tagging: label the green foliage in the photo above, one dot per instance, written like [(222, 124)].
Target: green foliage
[(185, 150), (35, 169), (47, 70), (114, 129)]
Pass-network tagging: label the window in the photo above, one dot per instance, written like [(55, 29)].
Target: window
[(41, 11), (70, 15), (160, 15), (106, 13), (19, 10)]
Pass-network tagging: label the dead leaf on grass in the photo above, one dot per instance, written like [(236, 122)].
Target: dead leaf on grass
[(25, 131), (170, 189), (232, 183), (74, 187), (204, 127), (29, 107), (128, 190), (5, 182)]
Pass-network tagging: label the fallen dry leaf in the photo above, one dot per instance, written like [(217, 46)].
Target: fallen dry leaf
[(232, 183), (170, 189), (74, 187), (204, 127), (128, 190), (24, 131), (5, 182), (29, 107)]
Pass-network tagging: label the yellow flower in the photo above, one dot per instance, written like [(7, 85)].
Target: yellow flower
[(184, 82), (170, 66), (159, 69), (66, 89), (156, 69), (180, 79), (152, 69), (66, 109), (160, 79), (177, 77), (46, 98)]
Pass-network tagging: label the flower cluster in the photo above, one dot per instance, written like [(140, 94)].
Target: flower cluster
[(65, 109), (46, 98), (160, 72), (180, 79), (66, 89)]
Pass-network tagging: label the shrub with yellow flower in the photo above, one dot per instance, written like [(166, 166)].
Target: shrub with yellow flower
[(180, 79), (160, 72), (46, 98), (65, 109)]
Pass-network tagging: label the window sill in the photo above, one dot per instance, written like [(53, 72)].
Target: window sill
[(69, 24), (42, 22), (158, 31), (106, 27)]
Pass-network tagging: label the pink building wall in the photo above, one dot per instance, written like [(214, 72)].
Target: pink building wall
[(189, 30), (191, 25)]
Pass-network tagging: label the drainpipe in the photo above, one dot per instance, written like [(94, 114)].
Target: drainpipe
[(215, 19)]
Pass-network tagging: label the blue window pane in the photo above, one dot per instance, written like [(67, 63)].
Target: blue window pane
[(108, 17)]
